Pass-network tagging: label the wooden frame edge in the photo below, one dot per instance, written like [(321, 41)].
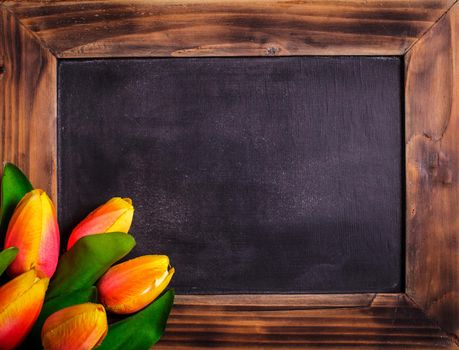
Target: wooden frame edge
[(28, 98), (453, 3), (228, 28), (453, 337), (432, 168), (361, 320)]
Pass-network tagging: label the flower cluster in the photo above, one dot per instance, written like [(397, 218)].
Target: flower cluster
[(62, 302)]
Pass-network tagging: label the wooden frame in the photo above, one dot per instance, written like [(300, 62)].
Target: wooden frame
[(35, 35)]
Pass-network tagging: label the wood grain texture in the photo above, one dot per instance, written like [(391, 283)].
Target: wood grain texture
[(363, 321), (227, 27), (432, 158), (28, 104)]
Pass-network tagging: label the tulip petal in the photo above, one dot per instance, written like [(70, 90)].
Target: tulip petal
[(33, 229), (132, 285), (21, 300), (25, 226), (113, 216), (50, 244), (78, 327), (123, 223)]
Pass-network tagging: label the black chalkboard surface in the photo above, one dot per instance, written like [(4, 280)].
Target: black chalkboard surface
[(254, 175)]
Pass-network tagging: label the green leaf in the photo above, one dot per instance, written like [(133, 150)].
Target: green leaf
[(14, 186), (141, 330), (7, 256), (87, 260), (88, 295)]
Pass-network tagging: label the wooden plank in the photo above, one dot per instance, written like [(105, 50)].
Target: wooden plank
[(28, 104), (293, 301), (432, 162), (227, 27), (363, 321)]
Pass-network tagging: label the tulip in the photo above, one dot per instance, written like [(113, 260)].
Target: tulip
[(78, 327), (113, 216), (130, 286), (33, 230), (21, 300)]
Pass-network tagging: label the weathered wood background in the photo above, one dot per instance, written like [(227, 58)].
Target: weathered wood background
[(28, 88), (227, 27), (356, 321), (432, 154)]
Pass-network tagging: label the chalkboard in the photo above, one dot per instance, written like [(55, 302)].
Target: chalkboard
[(255, 175)]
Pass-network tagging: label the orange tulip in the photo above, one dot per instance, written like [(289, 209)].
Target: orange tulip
[(113, 216), (78, 327), (130, 286), (21, 300), (33, 230)]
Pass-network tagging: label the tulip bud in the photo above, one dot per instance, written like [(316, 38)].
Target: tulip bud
[(113, 216), (33, 230), (130, 286), (78, 327), (21, 300)]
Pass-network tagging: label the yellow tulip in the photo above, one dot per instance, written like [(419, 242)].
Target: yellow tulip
[(130, 286), (113, 216), (21, 300), (78, 327)]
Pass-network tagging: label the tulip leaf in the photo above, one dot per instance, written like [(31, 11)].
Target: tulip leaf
[(87, 260), (14, 186), (141, 330), (88, 295), (7, 256)]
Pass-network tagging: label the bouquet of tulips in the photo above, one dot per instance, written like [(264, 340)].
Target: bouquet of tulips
[(62, 302)]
